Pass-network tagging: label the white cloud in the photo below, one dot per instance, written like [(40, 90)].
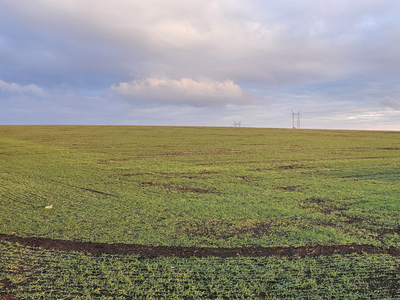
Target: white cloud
[(14, 87), (186, 91)]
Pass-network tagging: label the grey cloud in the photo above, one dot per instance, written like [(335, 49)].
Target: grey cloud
[(270, 42), (391, 103)]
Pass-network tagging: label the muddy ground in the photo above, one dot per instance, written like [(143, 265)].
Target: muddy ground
[(156, 251)]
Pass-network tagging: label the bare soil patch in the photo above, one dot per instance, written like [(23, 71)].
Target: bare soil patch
[(290, 167), (157, 251), (389, 148), (290, 188), (325, 206), (174, 188), (6, 284), (7, 297)]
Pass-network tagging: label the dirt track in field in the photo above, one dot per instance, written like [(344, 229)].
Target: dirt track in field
[(156, 251)]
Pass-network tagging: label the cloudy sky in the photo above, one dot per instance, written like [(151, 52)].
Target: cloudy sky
[(201, 63)]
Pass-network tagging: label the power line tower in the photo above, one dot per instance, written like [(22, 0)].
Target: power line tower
[(296, 116), (236, 124)]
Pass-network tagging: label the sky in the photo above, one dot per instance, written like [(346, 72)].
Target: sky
[(201, 63)]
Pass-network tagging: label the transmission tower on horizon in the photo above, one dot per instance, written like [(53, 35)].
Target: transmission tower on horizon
[(236, 124), (296, 117)]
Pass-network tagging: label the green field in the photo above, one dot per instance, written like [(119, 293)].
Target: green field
[(203, 187), (40, 274)]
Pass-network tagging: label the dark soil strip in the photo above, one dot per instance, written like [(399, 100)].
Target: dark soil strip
[(24, 203), (93, 191), (156, 251), (84, 189)]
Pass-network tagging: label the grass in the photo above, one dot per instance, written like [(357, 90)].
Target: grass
[(218, 187)]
